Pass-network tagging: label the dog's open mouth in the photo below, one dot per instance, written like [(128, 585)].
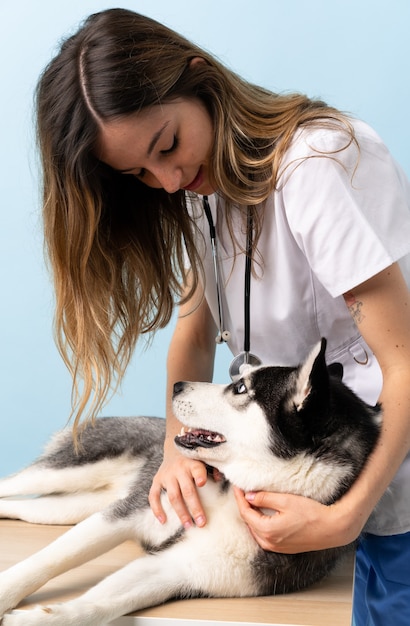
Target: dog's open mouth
[(196, 437)]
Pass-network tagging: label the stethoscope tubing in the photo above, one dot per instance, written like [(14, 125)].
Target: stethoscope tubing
[(223, 335), (245, 357)]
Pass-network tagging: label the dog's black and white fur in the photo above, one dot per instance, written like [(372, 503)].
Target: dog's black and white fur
[(296, 430)]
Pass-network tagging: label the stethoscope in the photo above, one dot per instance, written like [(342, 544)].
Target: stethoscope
[(245, 357)]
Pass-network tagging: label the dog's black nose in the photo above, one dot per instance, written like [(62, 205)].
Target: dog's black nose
[(178, 387)]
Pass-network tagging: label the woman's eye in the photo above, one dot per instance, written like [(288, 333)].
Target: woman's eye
[(140, 174), (171, 148), (240, 387)]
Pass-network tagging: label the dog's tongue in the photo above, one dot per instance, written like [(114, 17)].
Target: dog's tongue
[(194, 438)]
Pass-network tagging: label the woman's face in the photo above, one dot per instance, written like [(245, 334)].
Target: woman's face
[(166, 146)]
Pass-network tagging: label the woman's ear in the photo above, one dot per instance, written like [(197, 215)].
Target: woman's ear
[(196, 61)]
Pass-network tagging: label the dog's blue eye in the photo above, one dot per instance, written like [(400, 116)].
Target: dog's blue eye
[(240, 387)]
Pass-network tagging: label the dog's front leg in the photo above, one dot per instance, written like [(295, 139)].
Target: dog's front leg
[(90, 538), (147, 581), (200, 562)]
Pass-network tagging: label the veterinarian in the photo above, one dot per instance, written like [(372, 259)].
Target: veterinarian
[(283, 219)]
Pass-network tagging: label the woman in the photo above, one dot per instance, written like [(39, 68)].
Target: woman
[(137, 126)]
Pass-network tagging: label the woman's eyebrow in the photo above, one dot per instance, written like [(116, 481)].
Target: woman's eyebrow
[(155, 138)]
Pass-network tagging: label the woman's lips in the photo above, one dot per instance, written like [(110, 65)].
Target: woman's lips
[(197, 182)]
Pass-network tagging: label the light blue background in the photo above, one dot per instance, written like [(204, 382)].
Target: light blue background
[(352, 53)]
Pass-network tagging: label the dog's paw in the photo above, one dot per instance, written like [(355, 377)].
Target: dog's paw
[(13, 619), (65, 614), (32, 617)]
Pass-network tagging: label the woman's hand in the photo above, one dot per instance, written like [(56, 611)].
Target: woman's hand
[(179, 477), (290, 524)]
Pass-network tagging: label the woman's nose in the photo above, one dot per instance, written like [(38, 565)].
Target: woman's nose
[(169, 178)]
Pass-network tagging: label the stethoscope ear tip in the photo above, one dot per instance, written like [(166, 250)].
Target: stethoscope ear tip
[(223, 337)]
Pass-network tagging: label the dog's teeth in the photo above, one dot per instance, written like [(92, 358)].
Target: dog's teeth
[(184, 431)]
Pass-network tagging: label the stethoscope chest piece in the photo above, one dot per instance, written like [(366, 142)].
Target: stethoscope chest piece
[(242, 359)]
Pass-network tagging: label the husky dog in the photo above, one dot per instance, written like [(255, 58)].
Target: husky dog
[(296, 430)]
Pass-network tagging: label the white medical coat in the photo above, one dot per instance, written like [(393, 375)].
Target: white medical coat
[(335, 220)]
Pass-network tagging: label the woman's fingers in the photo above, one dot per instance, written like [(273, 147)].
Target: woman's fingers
[(180, 480)]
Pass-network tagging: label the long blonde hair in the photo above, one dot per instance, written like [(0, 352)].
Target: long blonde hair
[(116, 247)]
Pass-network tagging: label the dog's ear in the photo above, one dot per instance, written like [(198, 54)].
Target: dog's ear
[(312, 384), (335, 370)]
